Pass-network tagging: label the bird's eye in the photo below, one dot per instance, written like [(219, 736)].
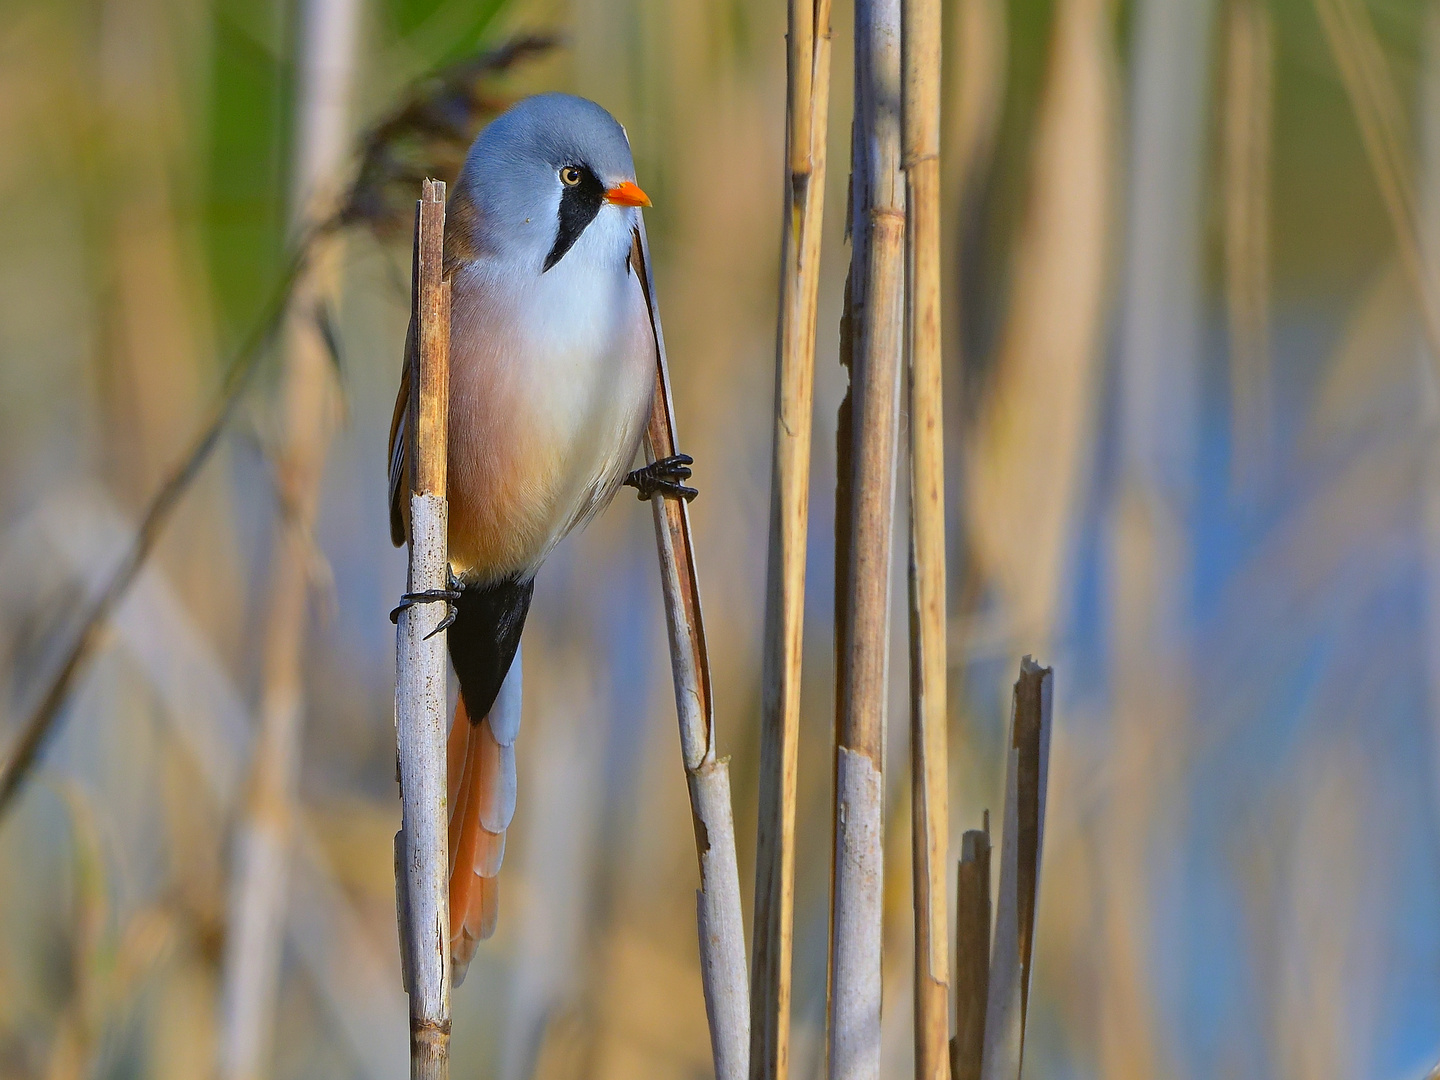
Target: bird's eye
[(570, 176)]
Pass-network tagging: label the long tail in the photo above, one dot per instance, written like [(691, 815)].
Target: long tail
[(481, 779)]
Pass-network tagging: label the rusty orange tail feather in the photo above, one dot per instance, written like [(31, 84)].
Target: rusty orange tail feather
[(477, 773)]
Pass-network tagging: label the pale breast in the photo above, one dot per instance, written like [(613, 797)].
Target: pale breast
[(550, 384)]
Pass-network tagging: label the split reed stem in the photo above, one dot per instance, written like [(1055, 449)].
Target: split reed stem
[(1021, 845), (420, 684)]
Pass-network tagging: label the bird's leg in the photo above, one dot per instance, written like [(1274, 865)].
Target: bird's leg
[(663, 477), (446, 596)]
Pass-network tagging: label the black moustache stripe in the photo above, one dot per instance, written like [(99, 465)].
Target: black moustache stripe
[(578, 207)]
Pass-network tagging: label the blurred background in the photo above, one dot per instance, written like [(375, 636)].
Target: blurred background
[(1193, 463)]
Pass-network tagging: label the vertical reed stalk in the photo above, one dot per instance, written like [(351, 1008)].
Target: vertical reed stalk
[(876, 318), (257, 902), (1027, 769), (972, 953), (807, 124), (920, 48), (1158, 340), (720, 921), (420, 702)]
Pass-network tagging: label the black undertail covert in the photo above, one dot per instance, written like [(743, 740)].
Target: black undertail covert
[(484, 637)]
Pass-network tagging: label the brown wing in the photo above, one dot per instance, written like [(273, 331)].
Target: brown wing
[(399, 469)]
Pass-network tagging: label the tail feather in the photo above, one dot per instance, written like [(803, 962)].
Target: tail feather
[(482, 784), (457, 756), (496, 787), (457, 775)]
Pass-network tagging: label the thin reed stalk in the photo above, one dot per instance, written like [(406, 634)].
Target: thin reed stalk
[(420, 663), (876, 318), (1026, 773), (1034, 431), (720, 921), (972, 953), (807, 124), (930, 805), (251, 973), (1158, 361)]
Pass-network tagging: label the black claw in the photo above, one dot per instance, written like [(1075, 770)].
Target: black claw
[(663, 477), (451, 613), (429, 596)]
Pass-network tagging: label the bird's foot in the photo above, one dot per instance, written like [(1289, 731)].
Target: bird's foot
[(446, 596), (664, 477)]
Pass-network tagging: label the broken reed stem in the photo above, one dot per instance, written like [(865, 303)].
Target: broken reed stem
[(1027, 768), (930, 805), (21, 760), (972, 952), (1381, 118), (807, 122), (420, 697), (877, 317), (718, 915)]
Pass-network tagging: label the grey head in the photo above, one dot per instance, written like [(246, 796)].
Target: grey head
[(540, 174)]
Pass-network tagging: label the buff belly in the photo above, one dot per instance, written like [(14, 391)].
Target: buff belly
[(543, 426)]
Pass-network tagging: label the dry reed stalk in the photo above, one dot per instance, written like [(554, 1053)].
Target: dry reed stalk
[(1035, 431), (259, 880), (420, 699), (1247, 133), (1381, 118), (1158, 338), (929, 659), (876, 316), (972, 953), (1026, 773), (977, 36), (807, 124), (720, 921)]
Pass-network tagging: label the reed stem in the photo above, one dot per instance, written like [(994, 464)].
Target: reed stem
[(420, 698), (876, 318), (920, 47), (720, 922), (1027, 770), (972, 952), (808, 100)]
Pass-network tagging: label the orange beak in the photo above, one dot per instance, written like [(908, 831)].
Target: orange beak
[(627, 194)]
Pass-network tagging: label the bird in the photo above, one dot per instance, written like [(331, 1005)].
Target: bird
[(553, 359)]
